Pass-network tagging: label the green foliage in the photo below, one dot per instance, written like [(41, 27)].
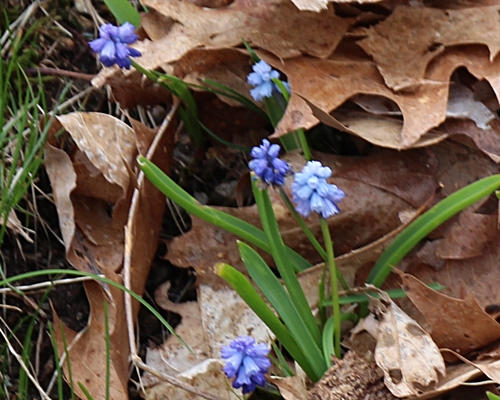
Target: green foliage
[(492, 396), (238, 227), (429, 221), (124, 12)]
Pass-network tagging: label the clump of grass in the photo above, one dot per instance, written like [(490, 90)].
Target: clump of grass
[(25, 120)]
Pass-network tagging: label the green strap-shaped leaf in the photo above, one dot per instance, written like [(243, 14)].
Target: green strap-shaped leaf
[(218, 218), (124, 12), (429, 221), (247, 292), (270, 225), (274, 292)]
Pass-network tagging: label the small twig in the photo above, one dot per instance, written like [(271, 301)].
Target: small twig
[(42, 285), (128, 233), (174, 381), (60, 72)]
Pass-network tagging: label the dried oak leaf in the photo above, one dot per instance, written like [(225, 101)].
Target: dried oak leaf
[(320, 5), (272, 25), (468, 237), (466, 326), (328, 84), (410, 37), (404, 351), (93, 191)]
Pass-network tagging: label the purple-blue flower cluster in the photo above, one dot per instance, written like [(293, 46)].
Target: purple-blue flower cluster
[(311, 191), (261, 78), (111, 45), (247, 362), (266, 164)]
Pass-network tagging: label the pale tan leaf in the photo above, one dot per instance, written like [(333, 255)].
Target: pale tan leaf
[(213, 321), (291, 388), (404, 351), (207, 376)]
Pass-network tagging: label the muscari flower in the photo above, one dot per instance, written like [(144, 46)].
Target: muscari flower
[(111, 45), (246, 361), (266, 164), (311, 192), (261, 78)]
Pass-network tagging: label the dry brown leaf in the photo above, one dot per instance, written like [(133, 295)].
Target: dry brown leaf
[(87, 349), (410, 37), (328, 84), (271, 25), (491, 367), (93, 204), (404, 351), (466, 327), (291, 388), (320, 5), (456, 375), (468, 237)]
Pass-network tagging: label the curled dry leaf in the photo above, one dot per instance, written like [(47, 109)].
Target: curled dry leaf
[(93, 187), (404, 351), (291, 388), (328, 84), (410, 37), (180, 26), (466, 327)]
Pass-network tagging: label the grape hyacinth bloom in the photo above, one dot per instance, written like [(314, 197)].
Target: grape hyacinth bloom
[(311, 192), (111, 45), (266, 164), (261, 78), (246, 361)]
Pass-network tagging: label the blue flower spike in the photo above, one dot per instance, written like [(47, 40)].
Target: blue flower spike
[(266, 164), (247, 362), (311, 192), (261, 78), (111, 45)]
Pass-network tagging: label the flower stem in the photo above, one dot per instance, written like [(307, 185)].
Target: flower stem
[(300, 221), (304, 144), (335, 289)]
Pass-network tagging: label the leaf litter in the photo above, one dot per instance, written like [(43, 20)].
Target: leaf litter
[(392, 82)]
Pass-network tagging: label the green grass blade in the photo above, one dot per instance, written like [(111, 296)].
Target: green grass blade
[(232, 94), (247, 292), (124, 12), (281, 302), (492, 396), (34, 274), (218, 218), (427, 222), (363, 298), (85, 391), (270, 225)]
